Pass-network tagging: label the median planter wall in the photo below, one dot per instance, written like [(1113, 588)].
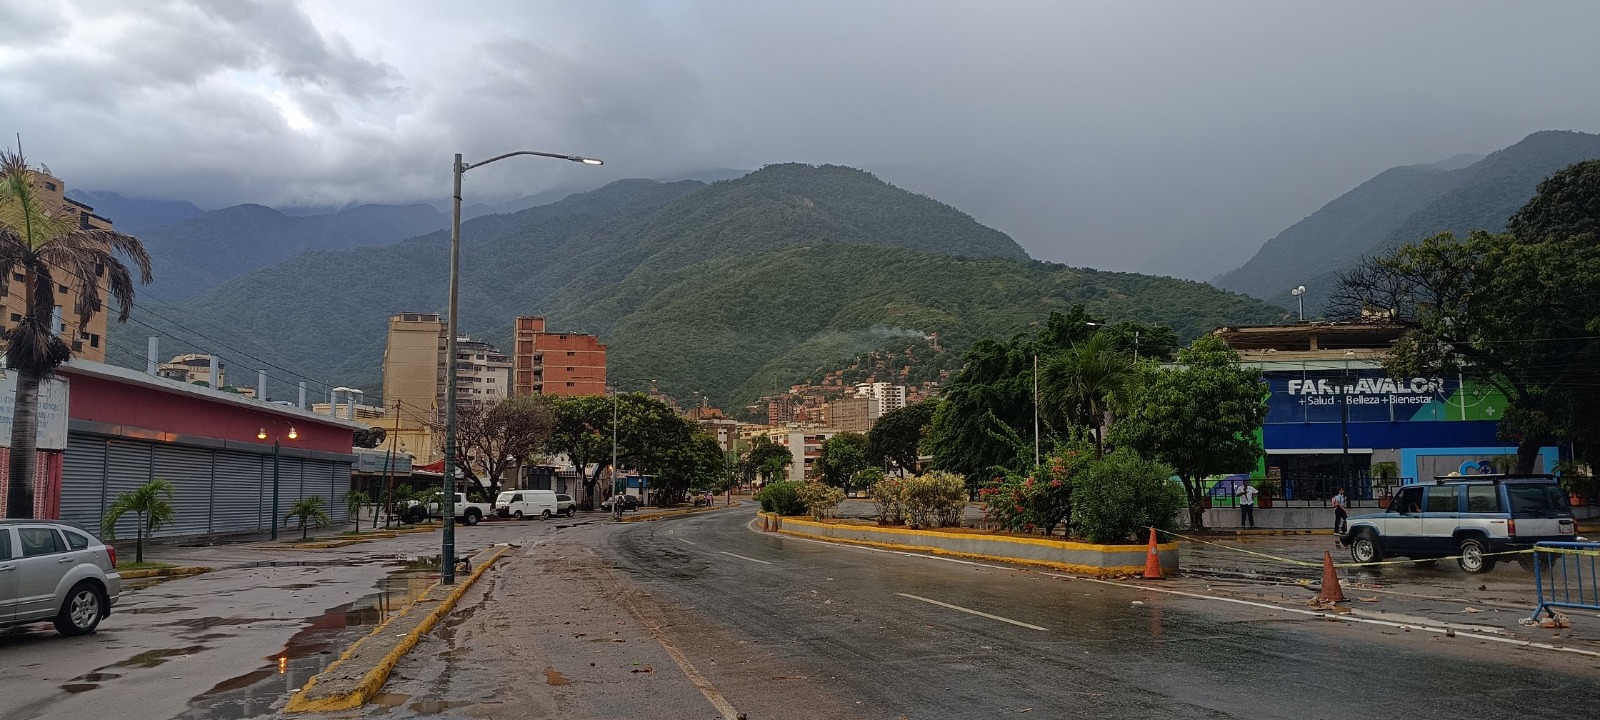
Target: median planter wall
[(1073, 557)]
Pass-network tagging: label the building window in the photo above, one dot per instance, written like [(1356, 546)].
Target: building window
[(49, 186), (569, 385), (94, 341), (18, 276), (570, 353)]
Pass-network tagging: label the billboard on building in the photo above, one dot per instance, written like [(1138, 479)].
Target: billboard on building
[(52, 411), (1321, 396)]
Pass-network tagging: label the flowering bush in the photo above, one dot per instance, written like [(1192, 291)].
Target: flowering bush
[(935, 499), (889, 497), (1041, 499), (819, 499)]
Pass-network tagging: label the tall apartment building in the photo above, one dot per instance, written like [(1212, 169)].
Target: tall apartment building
[(483, 373), (413, 373), (881, 398), (848, 414), (550, 363), (88, 340)]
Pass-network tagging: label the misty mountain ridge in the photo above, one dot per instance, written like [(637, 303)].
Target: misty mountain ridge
[(721, 288), (1404, 205), (134, 215)]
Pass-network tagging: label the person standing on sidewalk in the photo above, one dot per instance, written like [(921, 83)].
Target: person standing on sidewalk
[(1341, 512), (1247, 504)]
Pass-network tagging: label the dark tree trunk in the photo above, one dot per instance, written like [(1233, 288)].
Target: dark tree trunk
[(1527, 456), (1197, 507), (138, 541), (24, 445)]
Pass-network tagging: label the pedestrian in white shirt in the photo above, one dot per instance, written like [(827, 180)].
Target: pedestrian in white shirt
[(1247, 504)]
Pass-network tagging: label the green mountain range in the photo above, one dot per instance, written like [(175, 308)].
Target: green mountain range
[(728, 288), (1403, 205)]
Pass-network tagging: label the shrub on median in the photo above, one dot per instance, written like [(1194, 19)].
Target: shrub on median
[(1122, 495), (781, 497), (819, 500)]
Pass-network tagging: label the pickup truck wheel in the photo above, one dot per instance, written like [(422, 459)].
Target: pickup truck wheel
[(1365, 548), (544, 514), (471, 517), (517, 514), (1474, 556)]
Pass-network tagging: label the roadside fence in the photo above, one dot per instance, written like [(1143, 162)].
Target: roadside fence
[(1566, 575)]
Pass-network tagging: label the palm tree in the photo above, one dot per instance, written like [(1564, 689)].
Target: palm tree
[(49, 248), (353, 502), (309, 511), (1085, 382), (152, 502)]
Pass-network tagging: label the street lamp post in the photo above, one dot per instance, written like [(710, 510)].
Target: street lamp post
[(262, 435), (447, 555), (1300, 294)]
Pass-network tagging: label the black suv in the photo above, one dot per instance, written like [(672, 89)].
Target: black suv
[(1469, 517)]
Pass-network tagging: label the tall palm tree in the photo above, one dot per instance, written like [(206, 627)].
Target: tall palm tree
[(1084, 383), (49, 248), (152, 502), (310, 512)]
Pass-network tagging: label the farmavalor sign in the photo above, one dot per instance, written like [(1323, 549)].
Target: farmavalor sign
[(1316, 397), (52, 411)]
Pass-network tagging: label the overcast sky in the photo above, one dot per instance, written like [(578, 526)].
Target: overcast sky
[(1169, 138)]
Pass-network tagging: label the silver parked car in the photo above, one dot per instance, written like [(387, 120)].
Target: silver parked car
[(58, 572)]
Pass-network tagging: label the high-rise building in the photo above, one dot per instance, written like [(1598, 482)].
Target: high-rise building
[(881, 398), (483, 373), (413, 374), (848, 414), (88, 339), (556, 363)]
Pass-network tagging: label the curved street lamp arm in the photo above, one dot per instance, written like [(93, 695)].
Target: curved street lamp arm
[(572, 158)]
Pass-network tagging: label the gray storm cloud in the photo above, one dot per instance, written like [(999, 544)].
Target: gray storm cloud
[(1170, 138)]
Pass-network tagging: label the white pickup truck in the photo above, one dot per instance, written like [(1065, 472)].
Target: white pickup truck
[(467, 513)]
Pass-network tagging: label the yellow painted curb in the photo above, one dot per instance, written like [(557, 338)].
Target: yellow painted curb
[(379, 674), (1048, 542), (163, 572), (1088, 570), (676, 512)]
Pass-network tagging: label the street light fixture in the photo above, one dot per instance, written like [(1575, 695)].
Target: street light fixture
[(447, 555), (1300, 294), (262, 435)]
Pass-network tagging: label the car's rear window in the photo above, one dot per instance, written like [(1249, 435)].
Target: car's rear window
[(76, 541), (1483, 499), (1542, 500)]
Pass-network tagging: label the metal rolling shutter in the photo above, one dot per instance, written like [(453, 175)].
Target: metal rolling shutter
[(127, 467), (83, 472), (324, 475), (289, 487), (189, 471), (238, 503)]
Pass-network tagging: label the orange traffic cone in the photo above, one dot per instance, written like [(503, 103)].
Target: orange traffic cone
[(1152, 560), (1331, 592)]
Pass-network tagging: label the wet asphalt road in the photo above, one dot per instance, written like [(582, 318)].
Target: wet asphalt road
[(780, 627), (702, 617)]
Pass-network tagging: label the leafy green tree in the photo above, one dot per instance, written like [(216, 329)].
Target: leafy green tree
[(310, 511), (49, 249), (782, 497), (583, 433), (766, 458), (696, 460), (151, 502), (841, 457), (1082, 384), (895, 440), (1143, 341), (1200, 418)]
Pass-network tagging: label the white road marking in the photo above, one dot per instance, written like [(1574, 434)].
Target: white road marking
[(751, 559), (970, 611), (691, 542)]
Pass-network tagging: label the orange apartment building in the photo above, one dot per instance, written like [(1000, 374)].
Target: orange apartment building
[(88, 341), (549, 363)]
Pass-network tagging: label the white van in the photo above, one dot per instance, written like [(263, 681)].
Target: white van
[(521, 504)]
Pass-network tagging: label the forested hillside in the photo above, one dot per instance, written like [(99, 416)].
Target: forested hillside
[(721, 288)]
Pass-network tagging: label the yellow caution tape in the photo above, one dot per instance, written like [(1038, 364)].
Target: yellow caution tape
[(1305, 563)]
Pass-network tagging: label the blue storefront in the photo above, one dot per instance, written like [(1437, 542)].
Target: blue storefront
[(1332, 422)]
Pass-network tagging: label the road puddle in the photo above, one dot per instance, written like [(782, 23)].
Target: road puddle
[(76, 688), (310, 651), (390, 700), (430, 707), (154, 658)]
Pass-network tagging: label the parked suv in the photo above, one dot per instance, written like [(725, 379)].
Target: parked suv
[(1468, 517), (565, 505), (57, 572)]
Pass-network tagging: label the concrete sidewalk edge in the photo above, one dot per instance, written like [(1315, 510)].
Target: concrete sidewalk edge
[(307, 700)]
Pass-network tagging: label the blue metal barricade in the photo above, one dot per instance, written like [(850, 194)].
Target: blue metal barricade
[(1566, 574)]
